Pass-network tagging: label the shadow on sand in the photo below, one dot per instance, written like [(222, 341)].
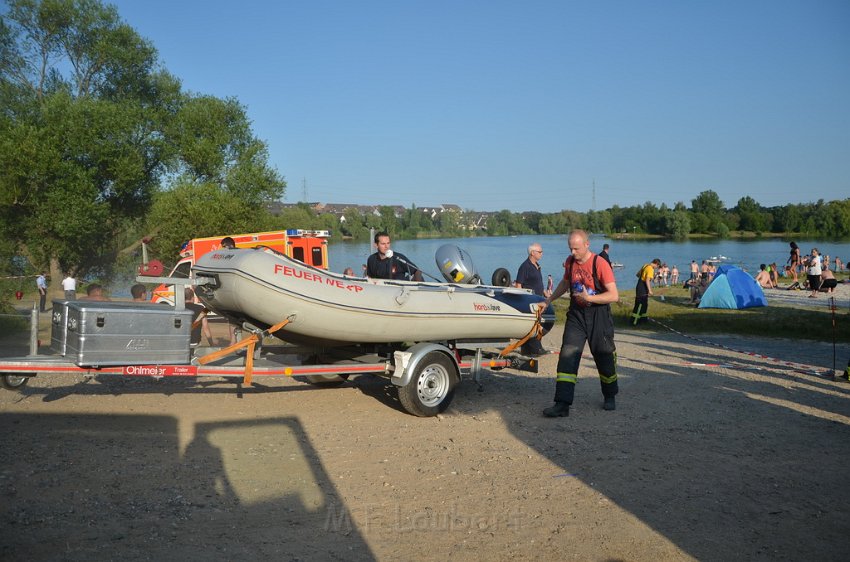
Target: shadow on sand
[(201, 500)]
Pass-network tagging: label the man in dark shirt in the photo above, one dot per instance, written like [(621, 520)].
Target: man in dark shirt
[(604, 253), (529, 277), (386, 264)]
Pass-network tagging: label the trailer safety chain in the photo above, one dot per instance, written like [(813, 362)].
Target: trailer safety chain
[(250, 342), (535, 332)]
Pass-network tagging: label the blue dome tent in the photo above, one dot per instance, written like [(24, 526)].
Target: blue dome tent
[(732, 288)]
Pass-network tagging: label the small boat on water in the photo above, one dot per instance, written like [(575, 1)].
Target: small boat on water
[(615, 264), (264, 287), (718, 258)]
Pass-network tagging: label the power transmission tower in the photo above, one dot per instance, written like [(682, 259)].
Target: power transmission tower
[(594, 195)]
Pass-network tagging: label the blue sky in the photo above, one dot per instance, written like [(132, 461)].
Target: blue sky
[(524, 105)]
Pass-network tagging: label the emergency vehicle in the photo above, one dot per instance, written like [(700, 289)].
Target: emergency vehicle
[(308, 246)]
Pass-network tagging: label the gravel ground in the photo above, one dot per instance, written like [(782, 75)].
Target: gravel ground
[(712, 454)]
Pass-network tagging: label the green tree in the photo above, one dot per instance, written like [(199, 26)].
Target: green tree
[(83, 106), (213, 143), (389, 223), (787, 218), (677, 224), (708, 204), (700, 223), (598, 221), (353, 225), (732, 220), (224, 183), (91, 127), (750, 213), (449, 222), (204, 210), (411, 221)]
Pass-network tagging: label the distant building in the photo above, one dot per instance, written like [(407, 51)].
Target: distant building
[(473, 221)]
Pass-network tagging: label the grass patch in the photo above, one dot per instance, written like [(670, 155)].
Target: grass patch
[(768, 321), (11, 322)]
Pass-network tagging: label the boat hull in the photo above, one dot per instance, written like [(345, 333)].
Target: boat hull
[(265, 288)]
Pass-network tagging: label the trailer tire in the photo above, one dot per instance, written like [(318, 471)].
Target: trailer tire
[(13, 382), (326, 380), (432, 386), (501, 278)]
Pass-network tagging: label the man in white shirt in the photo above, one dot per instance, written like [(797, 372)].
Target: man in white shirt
[(69, 285)]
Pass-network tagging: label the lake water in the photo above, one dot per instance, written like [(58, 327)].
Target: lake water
[(490, 253)]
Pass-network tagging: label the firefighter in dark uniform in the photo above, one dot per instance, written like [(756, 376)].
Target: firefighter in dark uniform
[(385, 264), (590, 281)]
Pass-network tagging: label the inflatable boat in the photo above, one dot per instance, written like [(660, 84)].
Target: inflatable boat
[(264, 287)]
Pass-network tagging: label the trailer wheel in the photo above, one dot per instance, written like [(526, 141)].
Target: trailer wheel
[(431, 389), (501, 277), (13, 382), (327, 380)]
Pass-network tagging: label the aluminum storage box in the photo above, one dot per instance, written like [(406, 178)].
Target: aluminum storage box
[(59, 326), (112, 333)]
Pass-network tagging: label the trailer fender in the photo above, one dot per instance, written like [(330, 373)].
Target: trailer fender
[(406, 361)]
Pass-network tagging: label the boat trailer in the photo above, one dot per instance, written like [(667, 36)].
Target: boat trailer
[(424, 373)]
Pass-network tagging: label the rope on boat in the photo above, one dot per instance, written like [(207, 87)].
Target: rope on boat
[(251, 343), (535, 332)]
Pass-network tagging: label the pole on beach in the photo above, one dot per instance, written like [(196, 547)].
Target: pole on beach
[(832, 308)]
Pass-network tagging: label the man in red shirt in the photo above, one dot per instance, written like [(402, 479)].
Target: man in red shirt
[(590, 281)]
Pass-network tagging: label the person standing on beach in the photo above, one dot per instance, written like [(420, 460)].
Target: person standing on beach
[(814, 270), (590, 282), (41, 284), (69, 285), (794, 261), (643, 290), (694, 270)]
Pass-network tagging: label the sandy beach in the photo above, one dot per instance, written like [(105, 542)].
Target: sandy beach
[(712, 454)]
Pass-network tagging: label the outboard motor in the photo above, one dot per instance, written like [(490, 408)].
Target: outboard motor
[(456, 265)]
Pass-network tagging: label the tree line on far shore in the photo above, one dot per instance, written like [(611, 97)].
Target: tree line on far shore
[(706, 216)]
